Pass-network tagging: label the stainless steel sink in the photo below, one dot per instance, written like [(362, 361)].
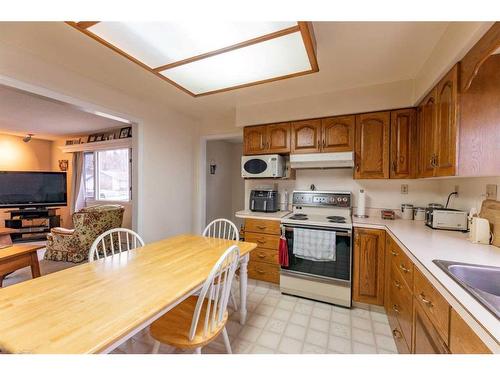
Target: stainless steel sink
[(482, 282)]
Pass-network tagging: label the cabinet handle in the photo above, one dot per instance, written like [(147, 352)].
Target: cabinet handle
[(260, 271), (425, 300), (394, 253), (261, 241), (261, 142), (397, 284), (406, 270), (394, 166), (357, 167), (396, 333), (261, 255), (261, 227), (436, 161), (324, 143), (319, 143), (396, 309)]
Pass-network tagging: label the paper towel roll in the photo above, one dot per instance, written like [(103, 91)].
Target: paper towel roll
[(361, 209)]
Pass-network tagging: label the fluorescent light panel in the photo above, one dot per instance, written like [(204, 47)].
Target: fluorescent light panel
[(159, 43), (266, 60)]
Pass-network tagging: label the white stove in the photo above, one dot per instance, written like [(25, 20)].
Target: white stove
[(319, 216)]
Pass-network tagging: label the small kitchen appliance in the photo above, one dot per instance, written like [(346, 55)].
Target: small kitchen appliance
[(264, 200), (446, 218), (318, 234), (480, 231), (263, 166)]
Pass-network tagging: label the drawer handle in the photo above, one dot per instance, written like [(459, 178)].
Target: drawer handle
[(261, 241), (262, 227), (396, 309), (261, 255), (397, 284), (394, 253), (396, 333), (425, 300), (406, 270), (260, 271)]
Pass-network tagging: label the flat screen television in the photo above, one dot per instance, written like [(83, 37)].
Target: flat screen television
[(32, 189)]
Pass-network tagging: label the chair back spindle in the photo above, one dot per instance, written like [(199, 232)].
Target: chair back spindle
[(114, 242), (222, 228)]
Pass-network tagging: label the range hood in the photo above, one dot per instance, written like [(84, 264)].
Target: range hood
[(322, 160)]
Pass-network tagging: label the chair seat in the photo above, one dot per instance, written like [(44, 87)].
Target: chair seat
[(173, 327)]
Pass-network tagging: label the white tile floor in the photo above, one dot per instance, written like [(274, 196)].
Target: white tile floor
[(285, 324)]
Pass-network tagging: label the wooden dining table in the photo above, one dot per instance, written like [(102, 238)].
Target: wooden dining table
[(95, 307)]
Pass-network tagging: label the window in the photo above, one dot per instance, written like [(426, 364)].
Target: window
[(107, 175)]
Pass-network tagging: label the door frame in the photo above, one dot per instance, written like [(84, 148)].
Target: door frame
[(200, 219), (82, 105)]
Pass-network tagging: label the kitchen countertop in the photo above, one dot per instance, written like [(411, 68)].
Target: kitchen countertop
[(423, 245), (247, 214)]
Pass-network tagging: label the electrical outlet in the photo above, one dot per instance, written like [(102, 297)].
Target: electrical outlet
[(456, 190), (404, 188), (491, 191)]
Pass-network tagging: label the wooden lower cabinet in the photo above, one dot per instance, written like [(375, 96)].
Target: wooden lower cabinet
[(463, 340), (426, 338), (263, 263), (368, 271)]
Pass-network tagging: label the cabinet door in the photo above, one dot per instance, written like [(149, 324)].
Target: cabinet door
[(306, 136), (372, 145), (278, 138), (368, 272), (446, 146), (427, 135), (254, 140), (338, 133), (463, 340), (403, 143), (426, 339)]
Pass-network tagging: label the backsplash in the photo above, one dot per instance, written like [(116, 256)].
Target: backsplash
[(385, 193)]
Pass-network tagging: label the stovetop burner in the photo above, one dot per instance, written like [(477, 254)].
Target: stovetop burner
[(336, 219), (299, 217)]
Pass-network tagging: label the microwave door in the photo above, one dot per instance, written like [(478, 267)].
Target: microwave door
[(254, 167)]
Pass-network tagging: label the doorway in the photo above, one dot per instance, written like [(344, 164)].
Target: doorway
[(225, 188)]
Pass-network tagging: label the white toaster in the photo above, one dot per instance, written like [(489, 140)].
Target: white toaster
[(446, 218)]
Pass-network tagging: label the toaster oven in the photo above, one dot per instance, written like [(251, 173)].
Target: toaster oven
[(447, 218)]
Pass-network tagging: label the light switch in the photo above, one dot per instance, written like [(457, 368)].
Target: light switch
[(404, 188)]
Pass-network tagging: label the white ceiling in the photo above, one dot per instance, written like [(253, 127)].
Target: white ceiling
[(22, 113), (350, 54)]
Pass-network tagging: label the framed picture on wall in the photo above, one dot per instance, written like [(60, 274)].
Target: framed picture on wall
[(124, 132)]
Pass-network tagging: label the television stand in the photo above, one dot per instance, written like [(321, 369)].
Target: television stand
[(32, 224)]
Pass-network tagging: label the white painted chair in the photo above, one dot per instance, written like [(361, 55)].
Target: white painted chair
[(226, 229), (208, 311), (114, 242)]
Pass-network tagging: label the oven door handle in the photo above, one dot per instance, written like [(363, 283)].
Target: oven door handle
[(339, 233)]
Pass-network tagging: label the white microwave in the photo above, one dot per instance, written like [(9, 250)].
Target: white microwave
[(262, 166)]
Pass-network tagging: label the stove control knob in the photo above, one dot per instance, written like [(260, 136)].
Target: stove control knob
[(339, 199), (344, 199)]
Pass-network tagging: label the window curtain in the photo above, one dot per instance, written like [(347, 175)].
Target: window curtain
[(77, 184)]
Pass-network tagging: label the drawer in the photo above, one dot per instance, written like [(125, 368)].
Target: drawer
[(264, 255), (433, 303), (401, 260), (401, 302), (264, 271), (397, 335), (266, 241), (262, 226)]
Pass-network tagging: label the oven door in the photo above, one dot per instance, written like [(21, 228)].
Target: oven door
[(337, 270)]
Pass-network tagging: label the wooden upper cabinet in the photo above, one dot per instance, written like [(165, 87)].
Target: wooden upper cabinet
[(368, 271), (254, 140), (306, 136), (427, 135), (372, 145), (278, 138), (403, 146), (446, 146), (338, 133)]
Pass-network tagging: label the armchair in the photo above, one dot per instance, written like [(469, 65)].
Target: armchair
[(72, 245)]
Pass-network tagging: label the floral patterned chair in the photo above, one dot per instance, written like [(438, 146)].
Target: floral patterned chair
[(73, 245)]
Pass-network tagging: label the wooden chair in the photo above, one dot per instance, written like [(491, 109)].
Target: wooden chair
[(200, 319), (223, 228), (114, 242)]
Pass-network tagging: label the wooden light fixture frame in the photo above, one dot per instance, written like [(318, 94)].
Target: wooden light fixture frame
[(305, 28)]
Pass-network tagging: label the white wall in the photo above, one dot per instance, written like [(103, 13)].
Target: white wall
[(385, 193)]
